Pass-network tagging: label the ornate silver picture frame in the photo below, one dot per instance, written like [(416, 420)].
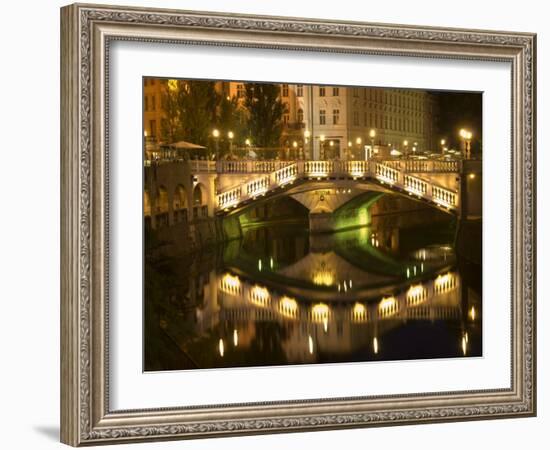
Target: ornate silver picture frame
[(87, 32)]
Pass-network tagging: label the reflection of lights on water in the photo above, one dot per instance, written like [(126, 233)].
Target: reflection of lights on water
[(444, 283), (260, 265), (350, 284), (388, 306), (235, 338), (464, 344), (320, 312), (421, 254), (375, 345), (414, 270), (421, 267), (271, 263), (221, 347), (323, 277), (310, 344), (473, 313), (408, 273), (230, 284), (345, 287), (259, 296), (359, 312), (416, 294), (288, 307), (325, 324), (339, 287)]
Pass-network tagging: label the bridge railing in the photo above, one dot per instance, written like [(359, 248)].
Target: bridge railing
[(396, 175), (251, 166), (425, 166), (202, 166)]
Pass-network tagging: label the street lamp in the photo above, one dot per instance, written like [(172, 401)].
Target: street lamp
[(406, 145), (216, 135), (321, 146), (231, 135), (307, 135), (466, 136), (358, 141), (372, 135), (443, 142)]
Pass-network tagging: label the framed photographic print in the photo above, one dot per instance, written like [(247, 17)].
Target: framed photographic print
[(275, 224)]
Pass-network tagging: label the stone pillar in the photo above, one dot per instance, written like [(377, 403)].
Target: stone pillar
[(322, 222)]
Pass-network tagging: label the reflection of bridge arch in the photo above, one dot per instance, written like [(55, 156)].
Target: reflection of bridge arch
[(435, 298)]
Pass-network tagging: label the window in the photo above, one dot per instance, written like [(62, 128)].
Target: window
[(322, 117), (355, 118), (335, 116), (300, 115), (153, 127), (356, 92), (335, 91), (145, 82), (385, 122), (146, 103), (285, 90), (153, 103), (365, 118), (321, 91), (299, 90), (286, 116), (151, 81)]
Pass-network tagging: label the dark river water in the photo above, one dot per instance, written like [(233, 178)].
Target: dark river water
[(394, 290)]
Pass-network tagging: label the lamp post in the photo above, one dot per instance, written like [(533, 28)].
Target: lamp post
[(466, 136), (372, 135), (443, 142), (359, 141), (248, 143), (406, 147), (216, 136), (231, 135), (321, 147)]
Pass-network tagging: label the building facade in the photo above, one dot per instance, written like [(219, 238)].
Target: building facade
[(327, 122), (153, 113)]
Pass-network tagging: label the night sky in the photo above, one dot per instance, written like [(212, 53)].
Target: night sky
[(459, 110)]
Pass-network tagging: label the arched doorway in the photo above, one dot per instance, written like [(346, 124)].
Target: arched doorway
[(162, 207), (179, 204), (146, 210), (200, 208)]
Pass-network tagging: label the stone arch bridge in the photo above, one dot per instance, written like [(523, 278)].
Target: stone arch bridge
[(179, 190)]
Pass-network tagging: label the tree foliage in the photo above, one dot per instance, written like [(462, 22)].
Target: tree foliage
[(265, 111), (193, 108)]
